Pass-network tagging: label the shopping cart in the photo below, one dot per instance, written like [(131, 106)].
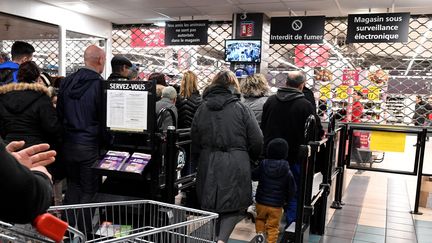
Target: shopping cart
[(127, 221)]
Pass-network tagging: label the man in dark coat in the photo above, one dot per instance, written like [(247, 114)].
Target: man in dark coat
[(79, 109), (121, 68), (225, 137), (284, 116)]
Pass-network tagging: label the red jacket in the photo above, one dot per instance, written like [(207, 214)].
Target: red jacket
[(357, 112)]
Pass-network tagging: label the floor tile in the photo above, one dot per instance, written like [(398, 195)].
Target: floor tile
[(370, 230), (369, 237), (332, 239), (401, 227), (398, 240), (401, 234)]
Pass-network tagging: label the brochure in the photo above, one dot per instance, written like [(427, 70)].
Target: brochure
[(113, 160), (136, 163)]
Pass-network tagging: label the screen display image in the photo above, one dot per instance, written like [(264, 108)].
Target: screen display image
[(243, 50)]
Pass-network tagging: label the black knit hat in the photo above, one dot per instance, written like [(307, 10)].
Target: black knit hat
[(277, 149), (120, 61)]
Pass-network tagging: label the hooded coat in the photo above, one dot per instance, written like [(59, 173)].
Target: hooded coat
[(276, 184), (26, 113), (225, 137), (284, 116), (8, 72), (79, 106)]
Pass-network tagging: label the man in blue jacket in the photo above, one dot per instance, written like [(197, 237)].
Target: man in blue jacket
[(79, 109), (21, 52)]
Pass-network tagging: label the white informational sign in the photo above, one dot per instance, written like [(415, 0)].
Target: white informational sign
[(127, 110)]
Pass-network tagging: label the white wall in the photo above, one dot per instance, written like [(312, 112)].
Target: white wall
[(54, 15), (65, 19)]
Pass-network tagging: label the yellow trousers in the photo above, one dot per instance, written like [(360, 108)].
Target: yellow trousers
[(267, 221)]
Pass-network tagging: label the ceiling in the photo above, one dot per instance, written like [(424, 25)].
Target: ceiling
[(150, 11)]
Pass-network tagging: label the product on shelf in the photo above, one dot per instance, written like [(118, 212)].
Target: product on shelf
[(377, 75), (113, 160), (324, 75), (136, 163)]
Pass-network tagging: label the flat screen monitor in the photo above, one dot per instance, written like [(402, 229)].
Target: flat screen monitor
[(243, 51)]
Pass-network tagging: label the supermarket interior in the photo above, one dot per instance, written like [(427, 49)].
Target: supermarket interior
[(369, 179)]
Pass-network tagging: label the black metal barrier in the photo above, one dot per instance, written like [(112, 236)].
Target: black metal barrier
[(176, 139), (344, 156), (308, 205)]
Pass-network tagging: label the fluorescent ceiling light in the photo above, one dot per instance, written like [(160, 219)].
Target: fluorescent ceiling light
[(344, 59), (419, 48), (160, 24)]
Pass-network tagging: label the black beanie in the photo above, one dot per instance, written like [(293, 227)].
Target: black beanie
[(277, 149)]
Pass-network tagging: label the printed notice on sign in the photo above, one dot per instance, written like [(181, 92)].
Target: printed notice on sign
[(297, 30), (127, 110), (386, 27), (186, 32)]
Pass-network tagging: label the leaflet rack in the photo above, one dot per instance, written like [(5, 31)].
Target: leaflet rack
[(130, 122)]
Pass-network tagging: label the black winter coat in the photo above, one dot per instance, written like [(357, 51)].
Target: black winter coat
[(284, 116), (276, 184), (27, 113), (26, 194), (225, 137), (79, 107), (186, 108)]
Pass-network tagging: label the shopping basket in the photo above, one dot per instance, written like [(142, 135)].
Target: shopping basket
[(126, 221)]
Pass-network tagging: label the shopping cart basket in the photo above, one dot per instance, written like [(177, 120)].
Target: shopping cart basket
[(127, 221)]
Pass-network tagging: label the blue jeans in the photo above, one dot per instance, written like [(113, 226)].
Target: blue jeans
[(290, 209)]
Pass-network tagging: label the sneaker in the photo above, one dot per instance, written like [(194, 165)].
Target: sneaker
[(259, 238), (251, 212)]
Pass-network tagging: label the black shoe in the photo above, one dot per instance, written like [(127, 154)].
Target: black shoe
[(259, 238)]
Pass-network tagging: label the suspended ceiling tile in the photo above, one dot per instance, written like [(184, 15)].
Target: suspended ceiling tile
[(139, 14), (262, 7), (258, 1), (176, 12), (138, 4), (218, 10), (362, 4), (204, 3)]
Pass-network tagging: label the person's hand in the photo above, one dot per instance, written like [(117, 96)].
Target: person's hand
[(14, 146), (36, 155), (43, 170)]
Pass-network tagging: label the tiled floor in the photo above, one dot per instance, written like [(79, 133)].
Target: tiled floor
[(377, 209)]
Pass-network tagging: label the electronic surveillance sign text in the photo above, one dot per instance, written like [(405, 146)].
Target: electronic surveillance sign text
[(297, 30)]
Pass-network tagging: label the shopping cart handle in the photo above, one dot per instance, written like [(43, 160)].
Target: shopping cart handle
[(50, 226)]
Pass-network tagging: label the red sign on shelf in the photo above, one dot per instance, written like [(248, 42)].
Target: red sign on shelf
[(311, 55), (246, 29), (350, 75), (148, 37)]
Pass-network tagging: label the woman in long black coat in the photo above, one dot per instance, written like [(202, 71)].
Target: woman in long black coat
[(225, 138)]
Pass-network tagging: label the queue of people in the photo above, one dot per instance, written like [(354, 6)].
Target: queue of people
[(230, 123)]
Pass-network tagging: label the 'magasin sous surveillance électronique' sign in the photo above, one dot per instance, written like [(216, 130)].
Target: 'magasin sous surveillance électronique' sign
[(385, 27)]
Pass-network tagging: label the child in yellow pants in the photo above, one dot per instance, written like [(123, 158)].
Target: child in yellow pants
[(276, 186)]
